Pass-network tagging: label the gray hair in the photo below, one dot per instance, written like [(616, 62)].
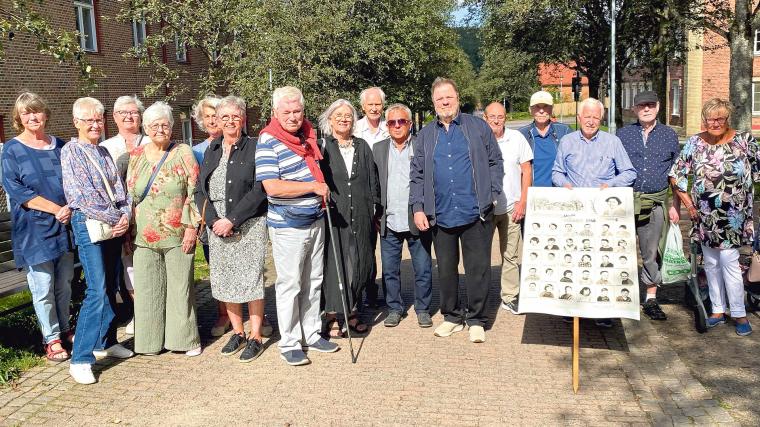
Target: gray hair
[(159, 110), (87, 105), (365, 92), (232, 101), (441, 81), (394, 107), (324, 118), (591, 102), (286, 92), (211, 101), (126, 100)]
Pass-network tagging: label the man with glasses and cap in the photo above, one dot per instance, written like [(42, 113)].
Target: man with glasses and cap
[(543, 137), (510, 204), (393, 157), (652, 148)]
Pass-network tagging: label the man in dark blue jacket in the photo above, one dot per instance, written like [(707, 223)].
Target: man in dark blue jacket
[(543, 136), (455, 176)]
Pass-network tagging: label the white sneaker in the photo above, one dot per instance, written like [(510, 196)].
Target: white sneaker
[(82, 373), (117, 351), (477, 334), (448, 328), (194, 352), (130, 329)]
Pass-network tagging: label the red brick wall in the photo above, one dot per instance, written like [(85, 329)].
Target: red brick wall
[(25, 69), (715, 68)]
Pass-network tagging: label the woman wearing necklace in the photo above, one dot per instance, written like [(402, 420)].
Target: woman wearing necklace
[(722, 163), (351, 174)]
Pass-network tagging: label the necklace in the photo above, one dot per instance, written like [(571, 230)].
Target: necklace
[(346, 144)]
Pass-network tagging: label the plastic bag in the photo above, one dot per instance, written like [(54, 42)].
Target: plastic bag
[(675, 266)]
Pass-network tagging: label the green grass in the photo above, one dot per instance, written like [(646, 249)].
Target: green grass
[(200, 267), (519, 115), (604, 128), (20, 344), (13, 362), (15, 300)]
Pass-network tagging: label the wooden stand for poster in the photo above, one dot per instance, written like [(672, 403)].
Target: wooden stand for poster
[(576, 351)]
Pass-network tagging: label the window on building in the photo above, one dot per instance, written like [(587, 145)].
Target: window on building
[(181, 50), (139, 32), (85, 16), (187, 129), (757, 42), (2, 128), (756, 98), (675, 87)]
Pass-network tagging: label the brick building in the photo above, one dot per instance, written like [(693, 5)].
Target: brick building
[(557, 79), (106, 41)]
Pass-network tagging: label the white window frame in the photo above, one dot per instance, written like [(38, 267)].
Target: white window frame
[(79, 7), (139, 28), (187, 131), (756, 47), (181, 51), (676, 87), (755, 88)]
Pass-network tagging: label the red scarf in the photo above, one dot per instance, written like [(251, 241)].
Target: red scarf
[(307, 149)]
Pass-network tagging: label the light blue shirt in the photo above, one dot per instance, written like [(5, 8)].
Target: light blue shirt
[(397, 211), (592, 162), (199, 150)]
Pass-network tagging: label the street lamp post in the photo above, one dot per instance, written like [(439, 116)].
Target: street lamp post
[(612, 69)]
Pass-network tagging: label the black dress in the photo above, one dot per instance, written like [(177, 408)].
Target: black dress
[(355, 202)]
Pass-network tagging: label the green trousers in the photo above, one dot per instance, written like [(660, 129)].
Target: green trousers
[(164, 301)]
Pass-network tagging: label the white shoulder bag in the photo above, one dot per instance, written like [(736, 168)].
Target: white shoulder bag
[(97, 229)]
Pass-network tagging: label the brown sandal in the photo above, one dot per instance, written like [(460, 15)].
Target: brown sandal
[(59, 355)]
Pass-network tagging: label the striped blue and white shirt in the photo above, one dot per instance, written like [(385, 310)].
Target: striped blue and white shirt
[(274, 160), (592, 162)]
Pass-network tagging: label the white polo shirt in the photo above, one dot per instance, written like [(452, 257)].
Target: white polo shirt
[(515, 151)]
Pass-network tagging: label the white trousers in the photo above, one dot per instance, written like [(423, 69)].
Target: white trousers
[(299, 263), (724, 280)]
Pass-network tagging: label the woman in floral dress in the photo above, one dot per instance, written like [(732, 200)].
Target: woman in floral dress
[(166, 219), (721, 163)]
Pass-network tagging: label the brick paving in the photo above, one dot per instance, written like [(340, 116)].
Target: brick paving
[(630, 375)]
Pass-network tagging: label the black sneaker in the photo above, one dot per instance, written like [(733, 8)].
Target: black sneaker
[(393, 319), (603, 323), (252, 350), (234, 345), (510, 306), (653, 310), (424, 320)]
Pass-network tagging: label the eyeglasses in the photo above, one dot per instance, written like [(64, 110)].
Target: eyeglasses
[(228, 118), (494, 118), (343, 117), (91, 122), (124, 113), (156, 126), (399, 122), (717, 121), (650, 105)]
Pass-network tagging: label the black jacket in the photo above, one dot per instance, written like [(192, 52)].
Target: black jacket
[(380, 151), (245, 196)]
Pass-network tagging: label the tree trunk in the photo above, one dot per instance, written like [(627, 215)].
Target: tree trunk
[(619, 69), (740, 39), (593, 86), (659, 66)]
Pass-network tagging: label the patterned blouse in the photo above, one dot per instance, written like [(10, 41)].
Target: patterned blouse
[(84, 187), (168, 208), (722, 188)]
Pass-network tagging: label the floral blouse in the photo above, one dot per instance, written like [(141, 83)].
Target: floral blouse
[(168, 208), (722, 188)]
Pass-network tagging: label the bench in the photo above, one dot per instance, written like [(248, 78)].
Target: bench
[(12, 281)]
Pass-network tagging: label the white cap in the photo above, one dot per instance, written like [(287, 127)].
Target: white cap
[(541, 97)]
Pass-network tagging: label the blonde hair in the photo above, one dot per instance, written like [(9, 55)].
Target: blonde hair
[(211, 101), (28, 102), (714, 105)]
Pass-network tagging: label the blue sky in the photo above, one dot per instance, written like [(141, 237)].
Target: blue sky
[(460, 14)]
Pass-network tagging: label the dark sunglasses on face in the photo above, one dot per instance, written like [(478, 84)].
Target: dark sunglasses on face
[(399, 122)]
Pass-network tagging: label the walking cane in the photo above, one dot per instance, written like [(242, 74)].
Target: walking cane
[(340, 279)]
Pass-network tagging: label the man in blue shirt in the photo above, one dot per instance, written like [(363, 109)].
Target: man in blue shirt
[(543, 136), (652, 148), (455, 176)]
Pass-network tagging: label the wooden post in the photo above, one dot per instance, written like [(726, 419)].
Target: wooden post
[(576, 350)]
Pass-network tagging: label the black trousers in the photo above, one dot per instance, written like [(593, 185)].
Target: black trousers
[(476, 249)]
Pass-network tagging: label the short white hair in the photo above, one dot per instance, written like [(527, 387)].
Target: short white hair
[(591, 102), (211, 101), (159, 110), (286, 92), (324, 118), (395, 107), (233, 101), (365, 93), (126, 100), (86, 105)]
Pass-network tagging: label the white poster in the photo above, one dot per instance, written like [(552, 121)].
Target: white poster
[(579, 253)]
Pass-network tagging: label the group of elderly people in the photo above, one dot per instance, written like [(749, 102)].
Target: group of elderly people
[(136, 203)]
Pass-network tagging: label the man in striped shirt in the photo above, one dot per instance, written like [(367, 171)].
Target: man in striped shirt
[(287, 158)]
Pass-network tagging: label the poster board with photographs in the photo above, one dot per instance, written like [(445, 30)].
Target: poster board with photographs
[(579, 253)]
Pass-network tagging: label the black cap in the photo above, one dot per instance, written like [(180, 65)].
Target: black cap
[(645, 97)]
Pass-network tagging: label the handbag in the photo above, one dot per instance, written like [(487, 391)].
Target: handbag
[(99, 230), (154, 174)]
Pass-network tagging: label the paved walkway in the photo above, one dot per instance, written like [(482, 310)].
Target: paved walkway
[(630, 375)]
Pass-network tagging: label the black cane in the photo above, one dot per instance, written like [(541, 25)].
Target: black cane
[(340, 279)]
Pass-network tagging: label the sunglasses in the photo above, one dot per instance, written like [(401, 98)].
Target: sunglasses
[(399, 122)]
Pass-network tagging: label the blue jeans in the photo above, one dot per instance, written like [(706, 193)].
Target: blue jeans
[(50, 285), (96, 328), (390, 251)]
